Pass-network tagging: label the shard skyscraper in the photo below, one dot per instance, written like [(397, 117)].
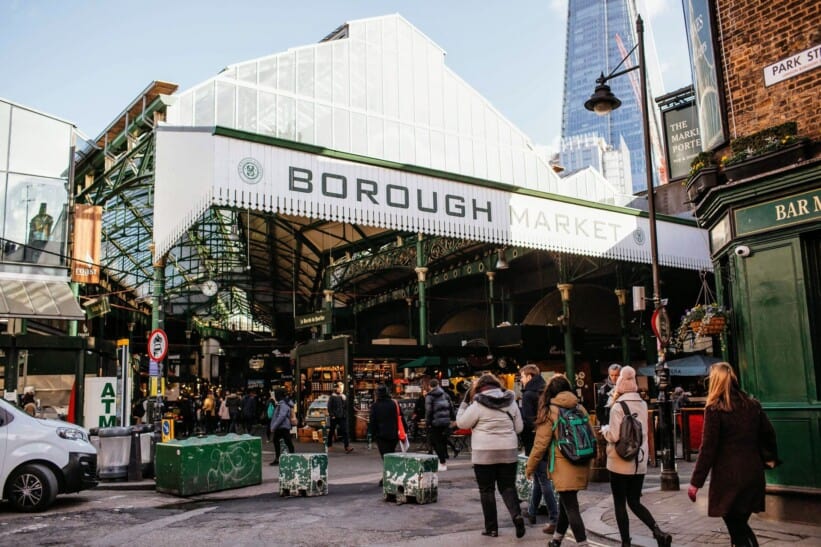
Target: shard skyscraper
[(600, 33)]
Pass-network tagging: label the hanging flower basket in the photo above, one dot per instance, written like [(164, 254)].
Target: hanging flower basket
[(714, 321)]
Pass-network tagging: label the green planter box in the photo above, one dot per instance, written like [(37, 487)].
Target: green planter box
[(208, 464), (303, 474), (410, 477)]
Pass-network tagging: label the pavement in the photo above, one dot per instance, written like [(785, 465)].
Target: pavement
[(686, 521)]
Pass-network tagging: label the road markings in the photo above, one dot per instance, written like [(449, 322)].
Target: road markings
[(127, 535)]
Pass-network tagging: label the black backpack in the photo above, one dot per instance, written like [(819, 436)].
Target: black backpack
[(628, 447), (574, 437)]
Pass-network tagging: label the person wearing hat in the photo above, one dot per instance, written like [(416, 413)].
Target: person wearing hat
[(384, 425), (627, 476), (338, 413)]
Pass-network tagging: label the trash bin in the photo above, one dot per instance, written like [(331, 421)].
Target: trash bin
[(113, 453), (94, 438)]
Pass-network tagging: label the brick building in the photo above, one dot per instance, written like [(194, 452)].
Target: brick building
[(757, 71)]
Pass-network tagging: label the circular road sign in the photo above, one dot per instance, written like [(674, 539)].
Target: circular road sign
[(660, 324), (157, 344)]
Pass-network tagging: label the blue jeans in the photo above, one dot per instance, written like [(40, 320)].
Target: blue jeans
[(542, 486)]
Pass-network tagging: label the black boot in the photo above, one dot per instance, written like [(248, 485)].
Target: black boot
[(626, 543), (662, 538), (554, 543)]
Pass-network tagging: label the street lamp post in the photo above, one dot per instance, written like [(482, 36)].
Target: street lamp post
[(602, 102)]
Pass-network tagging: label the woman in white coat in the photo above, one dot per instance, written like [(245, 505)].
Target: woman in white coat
[(627, 476), (492, 414)]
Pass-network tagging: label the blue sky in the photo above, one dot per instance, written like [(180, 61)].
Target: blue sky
[(85, 60)]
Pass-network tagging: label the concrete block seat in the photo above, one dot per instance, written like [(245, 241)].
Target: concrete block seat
[(303, 474), (410, 477), (207, 464)]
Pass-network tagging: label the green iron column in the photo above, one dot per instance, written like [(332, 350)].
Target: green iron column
[(569, 359), (72, 325), (621, 294), (157, 313), (421, 273), (327, 326), (491, 297)]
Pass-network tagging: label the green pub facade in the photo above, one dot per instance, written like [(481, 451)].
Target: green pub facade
[(764, 221)]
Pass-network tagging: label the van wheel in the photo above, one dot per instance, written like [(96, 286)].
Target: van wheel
[(32, 488)]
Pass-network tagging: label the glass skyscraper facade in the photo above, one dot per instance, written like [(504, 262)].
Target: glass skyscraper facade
[(600, 33)]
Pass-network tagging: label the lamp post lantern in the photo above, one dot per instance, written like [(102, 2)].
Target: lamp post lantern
[(602, 102)]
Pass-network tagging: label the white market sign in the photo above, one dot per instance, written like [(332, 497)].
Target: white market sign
[(793, 65), (201, 170)]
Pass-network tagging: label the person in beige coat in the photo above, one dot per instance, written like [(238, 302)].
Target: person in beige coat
[(568, 478), (627, 476)]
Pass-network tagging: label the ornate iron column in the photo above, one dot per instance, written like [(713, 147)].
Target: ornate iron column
[(621, 294), (569, 362), (491, 298)]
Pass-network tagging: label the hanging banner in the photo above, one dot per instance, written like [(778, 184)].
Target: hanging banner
[(85, 255)]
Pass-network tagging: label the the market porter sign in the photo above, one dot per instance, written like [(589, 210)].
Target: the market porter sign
[(796, 209), (683, 139)]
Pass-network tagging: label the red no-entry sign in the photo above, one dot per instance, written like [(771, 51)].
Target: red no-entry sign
[(157, 345)]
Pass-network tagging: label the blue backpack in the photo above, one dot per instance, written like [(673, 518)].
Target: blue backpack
[(572, 435)]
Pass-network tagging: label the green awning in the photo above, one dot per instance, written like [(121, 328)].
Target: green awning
[(430, 361)]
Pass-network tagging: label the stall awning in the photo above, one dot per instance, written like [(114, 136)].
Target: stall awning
[(36, 299), (693, 365), (430, 361)]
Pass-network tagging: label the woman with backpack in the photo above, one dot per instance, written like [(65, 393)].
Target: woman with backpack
[(568, 477), (627, 456)]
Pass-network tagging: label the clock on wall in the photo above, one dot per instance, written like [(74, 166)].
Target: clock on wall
[(209, 288)]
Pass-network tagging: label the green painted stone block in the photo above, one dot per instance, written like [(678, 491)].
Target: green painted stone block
[(303, 474), (208, 464), (410, 477)]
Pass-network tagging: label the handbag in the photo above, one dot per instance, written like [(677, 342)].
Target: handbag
[(400, 426), (404, 443)]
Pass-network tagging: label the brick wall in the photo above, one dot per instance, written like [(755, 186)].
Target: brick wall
[(753, 34)]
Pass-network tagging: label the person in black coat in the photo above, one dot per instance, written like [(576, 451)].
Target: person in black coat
[(738, 443), (384, 425), (533, 385)]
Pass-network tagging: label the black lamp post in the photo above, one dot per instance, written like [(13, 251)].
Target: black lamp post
[(602, 102)]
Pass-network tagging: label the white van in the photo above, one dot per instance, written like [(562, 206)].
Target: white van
[(42, 458)]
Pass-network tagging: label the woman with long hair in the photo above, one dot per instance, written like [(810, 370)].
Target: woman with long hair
[(738, 443), (568, 478), (492, 414), (384, 422), (627, 476)]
